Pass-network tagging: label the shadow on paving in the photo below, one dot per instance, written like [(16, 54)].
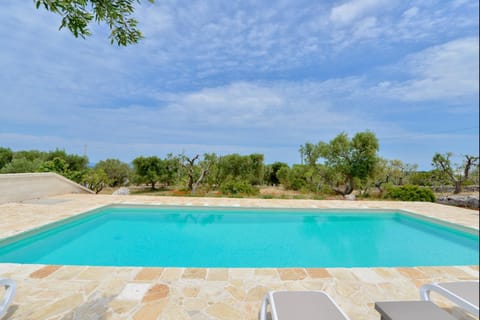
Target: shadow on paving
[(94, 309)]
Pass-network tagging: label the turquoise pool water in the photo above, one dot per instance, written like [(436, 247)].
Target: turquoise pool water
[(221, 237)]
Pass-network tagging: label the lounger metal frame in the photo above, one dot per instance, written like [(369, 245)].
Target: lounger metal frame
[(10, 289), (455, 298)]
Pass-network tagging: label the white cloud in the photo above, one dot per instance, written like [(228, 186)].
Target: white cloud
[(459, 3), (236, 104), (410, 13), (366, 28), (353, 10), (428, 20), (260, 115), (154, 19), (388, 24), (446, 71), (244, 76)]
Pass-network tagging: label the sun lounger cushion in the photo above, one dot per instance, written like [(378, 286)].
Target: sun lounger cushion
[(411, 310), (305, 305), (467, 290)]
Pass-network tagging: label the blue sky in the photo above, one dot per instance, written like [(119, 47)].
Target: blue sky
[(245, 77)]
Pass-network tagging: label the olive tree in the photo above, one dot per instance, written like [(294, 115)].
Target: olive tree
[(352, 159), (71, 166), (117, 171), (393, 172), (22, 165), (271, 173), (6, 156), (95, 179), (457, 174), (196, 172), (249, 168), (172, 169), (78, 14), (57, 164), (309, 153), (148, 170), (314, 173), (294, 178)]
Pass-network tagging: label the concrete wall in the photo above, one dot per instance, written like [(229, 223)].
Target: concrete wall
[(25, 186)]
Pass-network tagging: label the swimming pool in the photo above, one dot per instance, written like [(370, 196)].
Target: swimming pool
[(243, 237)]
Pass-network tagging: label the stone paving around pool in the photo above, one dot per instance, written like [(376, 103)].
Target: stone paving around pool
[(82, 292)]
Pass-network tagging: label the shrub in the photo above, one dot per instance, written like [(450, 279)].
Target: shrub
[(96, 180), (411, 193), (238, 187), (318, 197)]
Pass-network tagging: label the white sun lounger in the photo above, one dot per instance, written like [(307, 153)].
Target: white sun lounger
[(411, 310), (463, 293), (304, 305), (10, 289)]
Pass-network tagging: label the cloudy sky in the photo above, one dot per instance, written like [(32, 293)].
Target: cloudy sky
[(244, 77)]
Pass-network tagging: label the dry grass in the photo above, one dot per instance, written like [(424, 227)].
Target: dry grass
[(266, 192)]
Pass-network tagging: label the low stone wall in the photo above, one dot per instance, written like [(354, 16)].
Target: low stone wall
[(450, 189), (25, 186), (460, 201)]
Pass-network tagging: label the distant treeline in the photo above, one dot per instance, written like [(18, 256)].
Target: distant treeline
[(338, 167)]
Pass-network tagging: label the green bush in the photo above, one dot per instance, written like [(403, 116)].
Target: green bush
[(238, 187), (411, 193), (297, 184)]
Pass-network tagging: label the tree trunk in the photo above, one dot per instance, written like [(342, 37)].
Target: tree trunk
[(190, 181), (379, 184), (191, 172), (197, 183), (348, 188), (458, 187), (193, 185)]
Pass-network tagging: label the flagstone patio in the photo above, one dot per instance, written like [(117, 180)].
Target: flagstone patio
[(84, 292)]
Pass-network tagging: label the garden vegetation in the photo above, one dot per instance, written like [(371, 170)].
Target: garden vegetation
[(340, 167)]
